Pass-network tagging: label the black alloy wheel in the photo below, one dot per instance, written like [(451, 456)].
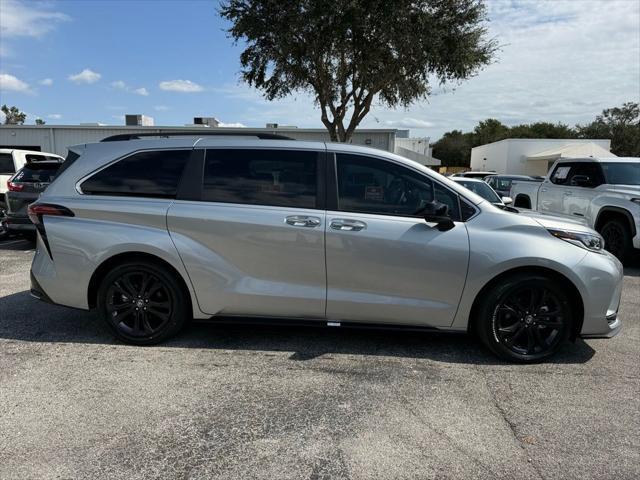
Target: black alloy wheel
[(143, 303), (529, 320), (617, 239), (526, 317)]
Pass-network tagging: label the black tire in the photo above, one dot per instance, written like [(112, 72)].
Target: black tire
[(143, 303), (617, 239), (520, 327)]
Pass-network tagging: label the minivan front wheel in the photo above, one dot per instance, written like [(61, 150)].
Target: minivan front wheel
[(525, 318), (142, 303)]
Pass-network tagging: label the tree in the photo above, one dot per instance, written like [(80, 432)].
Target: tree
[(13, 116), (621, 125), (489, 130), (349, 53), (542, 130), (40, 121), (454, 149)]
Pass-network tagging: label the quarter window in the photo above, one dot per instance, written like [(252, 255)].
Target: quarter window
[(6, 164), (145, 174), (281, 178)]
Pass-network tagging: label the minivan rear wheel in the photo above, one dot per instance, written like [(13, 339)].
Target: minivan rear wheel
[(142, 303), (525, 318)]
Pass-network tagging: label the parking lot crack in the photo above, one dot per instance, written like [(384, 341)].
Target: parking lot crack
[(508, 422)]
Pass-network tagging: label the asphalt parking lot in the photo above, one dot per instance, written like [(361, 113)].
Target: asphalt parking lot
[(277, 403)]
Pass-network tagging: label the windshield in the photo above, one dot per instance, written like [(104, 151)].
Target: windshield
[(621, 173), (37, 172), (482, 189)]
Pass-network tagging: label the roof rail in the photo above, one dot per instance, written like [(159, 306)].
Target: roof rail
[(190, 133)]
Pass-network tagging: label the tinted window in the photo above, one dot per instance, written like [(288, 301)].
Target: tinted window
[(482, 189), (560, 175), (622, 173), (588, 169), (282, 178), (144, 174), (6, 164), (37, 172), (370, 185), (39, 158)]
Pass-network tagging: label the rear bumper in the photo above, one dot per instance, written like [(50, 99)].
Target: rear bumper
[(19, 224), (36, 290)]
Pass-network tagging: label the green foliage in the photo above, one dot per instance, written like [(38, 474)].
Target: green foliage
[(621, 125), (13, 116), (40, 121), (349, 53)]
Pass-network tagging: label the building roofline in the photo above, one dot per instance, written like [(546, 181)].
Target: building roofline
[(580, 140), (151, 129)]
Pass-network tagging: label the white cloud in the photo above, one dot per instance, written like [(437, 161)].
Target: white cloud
[(232, 125), (120, 85), (141, 91), (28, 19), (408, 122), (161, 108), (54, 116), (85, 76), (12, 84), (47, 82), (185, 86)]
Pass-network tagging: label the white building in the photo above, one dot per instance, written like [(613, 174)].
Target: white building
[(56, 138), (533, 156)]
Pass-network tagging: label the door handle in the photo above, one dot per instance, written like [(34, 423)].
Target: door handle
[(347, 225), (302, 221), (543, 189), (568, 193)]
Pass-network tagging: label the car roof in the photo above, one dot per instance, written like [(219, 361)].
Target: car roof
[(601, 159), (35, 152), (467, 179)]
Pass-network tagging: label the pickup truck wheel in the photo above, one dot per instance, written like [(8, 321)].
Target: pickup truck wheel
[(617, 239), (525, 318)]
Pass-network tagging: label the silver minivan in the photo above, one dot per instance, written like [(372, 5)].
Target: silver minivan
[(153, 232)]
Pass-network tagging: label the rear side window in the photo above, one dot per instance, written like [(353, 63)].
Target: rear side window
[(282, 178), (6, 164), (37, 173), (144, 174)]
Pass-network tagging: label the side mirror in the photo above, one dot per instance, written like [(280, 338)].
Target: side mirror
[(581, 181), (507, 200), (438, 213)]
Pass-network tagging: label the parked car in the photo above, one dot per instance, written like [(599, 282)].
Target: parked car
[(502, 183), (480, 187), (605, 192), (473, 174), (152, 232), (24, 188)]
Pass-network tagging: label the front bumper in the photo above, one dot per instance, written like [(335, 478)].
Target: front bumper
[(601, 278)]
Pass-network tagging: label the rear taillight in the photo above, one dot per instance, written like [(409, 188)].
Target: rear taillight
[(37, 210), (15, 187)]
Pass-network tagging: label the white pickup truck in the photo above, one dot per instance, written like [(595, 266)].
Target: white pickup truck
[(605, 192)]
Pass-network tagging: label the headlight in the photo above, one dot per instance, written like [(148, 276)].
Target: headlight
[(588, 241)]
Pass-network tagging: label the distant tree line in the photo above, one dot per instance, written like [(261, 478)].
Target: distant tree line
[(620, 124)]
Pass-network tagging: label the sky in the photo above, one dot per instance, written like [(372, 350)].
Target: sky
[(77, 61)]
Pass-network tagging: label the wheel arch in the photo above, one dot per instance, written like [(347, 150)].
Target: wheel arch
[(110, 263), (574, 293), (522, 200), (606, 214)]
